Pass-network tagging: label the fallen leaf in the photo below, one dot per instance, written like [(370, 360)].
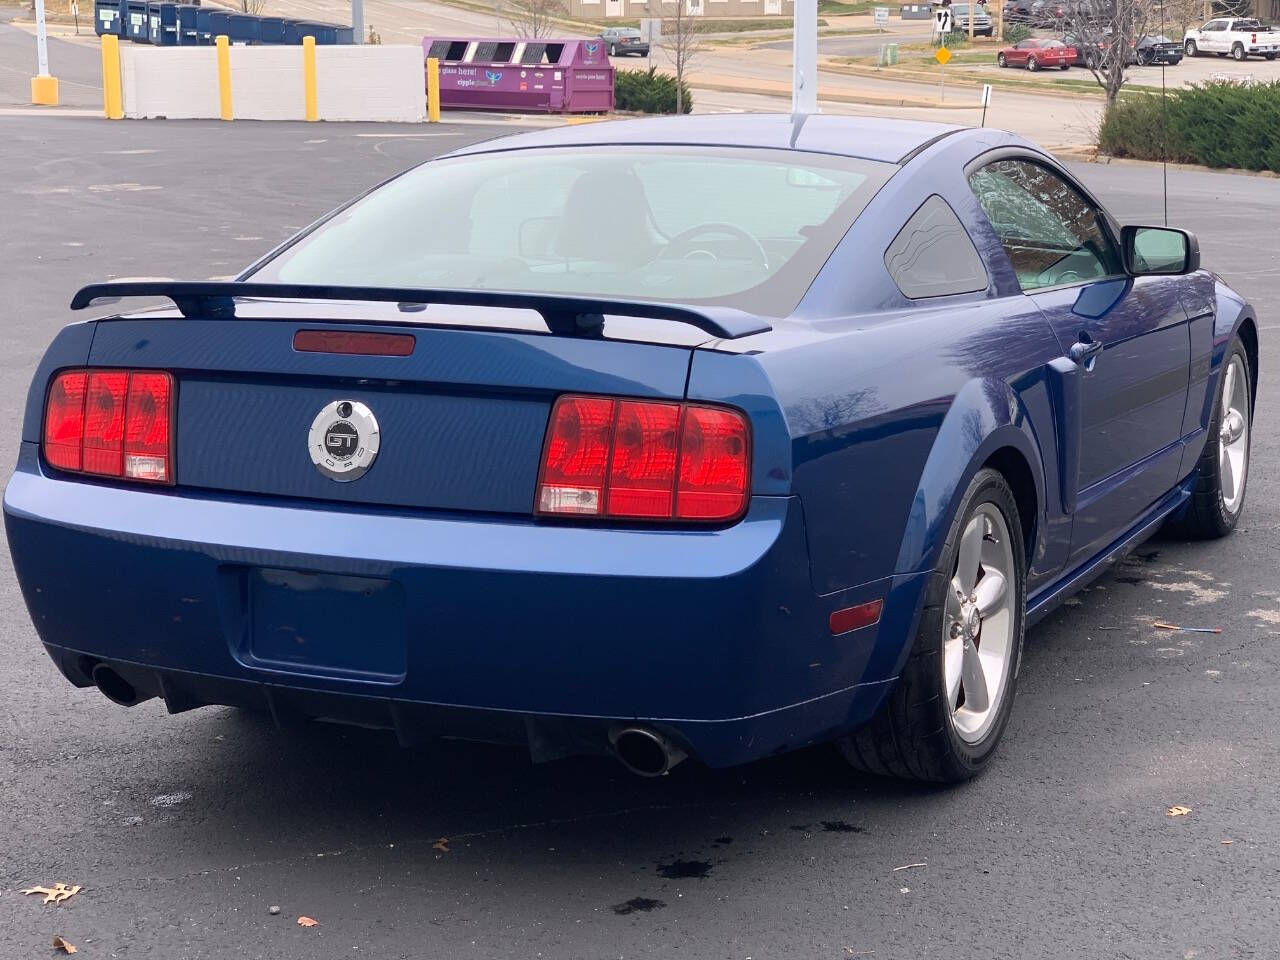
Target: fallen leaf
[(442, 845), (307, 922), (66, 946), (1177, 811), (55, 894)]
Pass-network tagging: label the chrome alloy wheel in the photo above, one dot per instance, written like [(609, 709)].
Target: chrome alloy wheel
[(1233, 435), (978, 624)]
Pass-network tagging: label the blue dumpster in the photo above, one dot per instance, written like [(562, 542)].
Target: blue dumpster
[(273, 30), (326, 34), (164, 23), (188, 33), (219, 24), (244, 28), (137, 21), (344, 35), (204, 25), (106, 17)]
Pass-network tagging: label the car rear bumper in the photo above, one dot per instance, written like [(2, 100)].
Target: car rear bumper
[(444, 624)]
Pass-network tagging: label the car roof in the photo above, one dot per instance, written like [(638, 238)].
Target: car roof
[(866, 138)]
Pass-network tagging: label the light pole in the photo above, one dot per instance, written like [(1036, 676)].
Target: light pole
[(357, 21), (44, 88), (804, 56)]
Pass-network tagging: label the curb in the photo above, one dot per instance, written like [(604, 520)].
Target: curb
[(833, 96), (1105, 159), (960, 79)]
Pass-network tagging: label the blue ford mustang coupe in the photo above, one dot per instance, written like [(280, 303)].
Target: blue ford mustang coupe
[(708, 437)]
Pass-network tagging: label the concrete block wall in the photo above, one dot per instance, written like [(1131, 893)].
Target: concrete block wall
[(380, 82)]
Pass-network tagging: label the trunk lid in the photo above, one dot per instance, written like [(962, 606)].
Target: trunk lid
[(461, 419)]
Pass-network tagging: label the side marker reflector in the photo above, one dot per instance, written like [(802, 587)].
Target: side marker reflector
[(854, 618)]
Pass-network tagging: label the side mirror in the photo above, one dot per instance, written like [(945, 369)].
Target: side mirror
[(1159, 251)]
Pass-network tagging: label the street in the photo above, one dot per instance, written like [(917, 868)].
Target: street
[(184, 831)]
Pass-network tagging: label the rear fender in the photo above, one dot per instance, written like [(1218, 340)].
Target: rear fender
[(70, 348), (985, 416)]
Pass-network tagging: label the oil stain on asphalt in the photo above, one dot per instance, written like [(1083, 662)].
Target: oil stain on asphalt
[(637, 905), (684, 869)]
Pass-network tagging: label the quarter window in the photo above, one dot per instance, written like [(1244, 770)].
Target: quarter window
[(1052, 234), (932, 255)]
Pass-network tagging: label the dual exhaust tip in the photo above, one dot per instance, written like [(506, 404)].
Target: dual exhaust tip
[(644, 751)]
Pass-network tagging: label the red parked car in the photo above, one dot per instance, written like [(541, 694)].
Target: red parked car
[(1037, 54)]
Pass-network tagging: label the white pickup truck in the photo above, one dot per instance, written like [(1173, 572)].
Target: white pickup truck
[(1242, 38)]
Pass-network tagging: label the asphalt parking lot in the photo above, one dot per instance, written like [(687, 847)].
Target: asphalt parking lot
[(183, 831)]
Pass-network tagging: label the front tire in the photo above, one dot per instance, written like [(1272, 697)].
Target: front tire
[(1001, 61), (1238, 53), (1218, 498), (947, 711), (1191, 49), (1033, 64)]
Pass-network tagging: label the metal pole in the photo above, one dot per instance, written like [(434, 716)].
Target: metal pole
[(804, 54), (42, 40), (357, 20)]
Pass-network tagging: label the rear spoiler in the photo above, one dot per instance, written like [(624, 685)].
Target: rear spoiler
[(567, 316)]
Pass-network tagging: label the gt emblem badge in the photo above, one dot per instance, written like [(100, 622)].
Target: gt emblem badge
[(343, 441)]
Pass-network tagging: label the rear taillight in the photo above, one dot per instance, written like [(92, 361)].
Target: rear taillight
[(644, 460), (111, 423)]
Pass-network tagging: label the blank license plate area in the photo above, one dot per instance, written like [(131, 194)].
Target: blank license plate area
[(322, 623)]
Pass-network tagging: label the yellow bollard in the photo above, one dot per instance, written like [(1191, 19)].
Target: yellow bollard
[(224, 76), (433, 90), (112, 100), (309, 78)]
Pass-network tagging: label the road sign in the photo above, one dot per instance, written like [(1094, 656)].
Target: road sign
[(651, 30), (986, 95), (942, 56), (942, 21), (880, 16)]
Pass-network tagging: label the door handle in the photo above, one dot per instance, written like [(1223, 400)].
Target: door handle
[(1083, 351)]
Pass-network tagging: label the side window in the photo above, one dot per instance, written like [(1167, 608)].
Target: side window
[(932, 255), (1053, 236)]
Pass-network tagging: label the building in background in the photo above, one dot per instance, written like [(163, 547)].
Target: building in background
[(714, 9)]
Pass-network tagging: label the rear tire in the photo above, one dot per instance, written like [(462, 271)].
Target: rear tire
[(1065, 66), (1033, 64), (1269, 56), (1218, 498), (922, 731)]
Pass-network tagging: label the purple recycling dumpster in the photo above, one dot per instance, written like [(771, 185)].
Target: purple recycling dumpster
[(534, 76)]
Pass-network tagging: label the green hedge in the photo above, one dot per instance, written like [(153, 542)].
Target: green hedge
[(1214, 124), (1016, 33), (647, 91)]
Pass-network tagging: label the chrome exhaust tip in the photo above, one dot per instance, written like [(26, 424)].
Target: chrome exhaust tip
[(644, 752)]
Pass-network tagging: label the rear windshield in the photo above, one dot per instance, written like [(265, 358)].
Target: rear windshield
[(744, 228)]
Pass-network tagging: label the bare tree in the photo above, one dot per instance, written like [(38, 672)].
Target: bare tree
[(1106, 33), (682, 41), (534, 19), (254, 7)]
